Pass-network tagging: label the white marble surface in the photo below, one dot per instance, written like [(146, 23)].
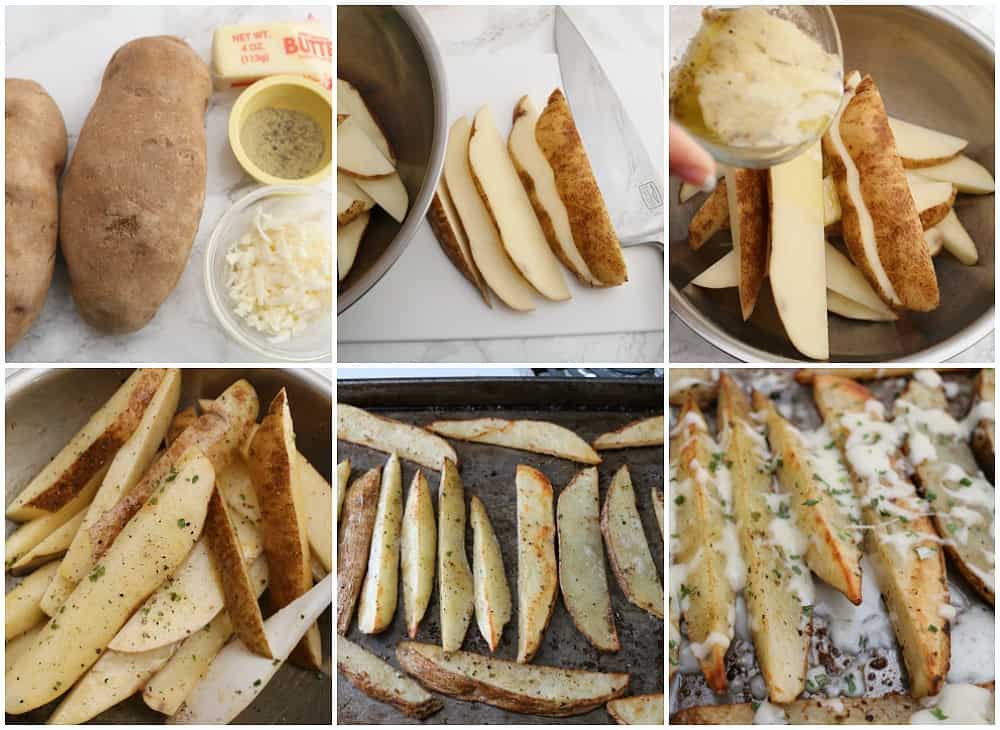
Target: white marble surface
[(496, 31), (66, 50), (686, 346)]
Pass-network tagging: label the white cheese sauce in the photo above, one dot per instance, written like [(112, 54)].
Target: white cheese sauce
[(957, 704)]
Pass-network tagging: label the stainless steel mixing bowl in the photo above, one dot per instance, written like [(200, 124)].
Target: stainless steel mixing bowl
[(934, 69), (390, 55)]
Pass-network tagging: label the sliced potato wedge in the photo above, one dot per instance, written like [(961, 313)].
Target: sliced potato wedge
[(19, 646), (418, 552), (52, 547), (637, 710), (180, 421), (540, 437), (22, 604), (343, 476), (537, 572), (984, 428), (702, 383), (644, 432), (390, 436), (493, 604), (657, 497), (353, 540), (379, 592), (456, 593), (317, 503), (381, 681)]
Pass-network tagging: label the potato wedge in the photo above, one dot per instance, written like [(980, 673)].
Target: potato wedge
[(274, 468), (343, 476), (540, 437), (900, 540), (19, 646), (22, 604), (779, 589), (349, 238), (236, 486), (386, 434), (657, 497), (447, 227), (644, 432), (824, 502), (114, 678), (949, 479), (152, 545), (710, 218), (56, 594), (582, 576), (537, 572), (806, 375), (984, 426), (52, 547), (455, 584), (317, 502), (631, 561), (493, 605), (381, 681), (702, 383), (705, 548), (181, 420), (418, 552), (90, 450), (353, 541), (528, 688), (637, 710), (379, 592), (165, 691)]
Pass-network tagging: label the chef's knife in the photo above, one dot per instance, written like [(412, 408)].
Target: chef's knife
[(631, 183)]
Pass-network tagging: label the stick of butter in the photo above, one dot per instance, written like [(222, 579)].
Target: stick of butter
[(242, 54)]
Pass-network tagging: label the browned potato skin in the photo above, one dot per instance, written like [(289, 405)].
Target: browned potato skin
[(34, 156), (133, 194)]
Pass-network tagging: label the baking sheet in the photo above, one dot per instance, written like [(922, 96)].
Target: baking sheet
[(882, 666), (43, 416), (588, 407)]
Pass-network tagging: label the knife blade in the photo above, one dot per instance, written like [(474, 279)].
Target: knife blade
[(631, 183)]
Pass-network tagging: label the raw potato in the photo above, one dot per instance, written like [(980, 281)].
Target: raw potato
[(537, 573), (180, 421), (132, 197), (351, 103), (710, 218), (343, 475), (528, 688), (582, 577), (317, 501), (352, 201), (540, 437), (18, 647), (92, 448), (22, 609), (274, 467), (449, 232), (657, 497), (52, 547), (493, 606), (746, 192), (455, 584), (354, 539), (377, 602), (921, 147), (418, 552), (637, 710), (348, 241), (593, 231), (628, 550), (644, 432), (152, 545), (34, 156), (391, 436), (357, 155), (381, 681)]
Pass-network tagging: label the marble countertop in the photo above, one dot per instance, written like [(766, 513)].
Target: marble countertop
[(66, 49), (686, 346), (500, 29)]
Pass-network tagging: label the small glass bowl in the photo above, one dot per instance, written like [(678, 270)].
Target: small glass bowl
[(316, 342)]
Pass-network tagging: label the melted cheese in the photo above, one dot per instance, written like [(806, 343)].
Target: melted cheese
[(963, 704)]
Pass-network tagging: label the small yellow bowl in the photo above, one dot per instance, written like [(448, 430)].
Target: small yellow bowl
[(283, 92)]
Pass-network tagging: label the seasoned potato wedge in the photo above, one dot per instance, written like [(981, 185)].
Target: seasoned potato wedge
[(582, 577), (657, 496), (22, 604), (381, 681), (644, 432), (317, 503), (900, 540), (806, 375), (540, 437), (628, 550), (418, 552), (90, 450), (379, 592), (493, 605), (637, 710), (52, 547), (31, 534), (386, 434), (529, 688), (701, 383), (343, 476), (834, 552), (984, 432), (455, 584), (181, 420), (537, 573), (353, 540), (19, 646)]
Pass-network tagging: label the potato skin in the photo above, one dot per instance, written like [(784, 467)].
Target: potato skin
[(34, 157), (133, 194)]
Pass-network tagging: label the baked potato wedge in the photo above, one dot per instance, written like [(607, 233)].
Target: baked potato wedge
[(381, 681), (779, 589), (701, 383), (949, 479), (644, 432), (353, 541), (540, 437), (984, 430), (582, 576), (532, 689), (22, 604), (806, 375), (418, 552), (493, 605), (343, 476), (631, 560), (181, 420), (456, 594), (379, 592), (637, 710), (537, 572), (822, 505), (391, 436), (657, 497), (900, 541), (90, 450)]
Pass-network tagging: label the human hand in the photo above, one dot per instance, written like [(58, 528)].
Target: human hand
[(689, 161)]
